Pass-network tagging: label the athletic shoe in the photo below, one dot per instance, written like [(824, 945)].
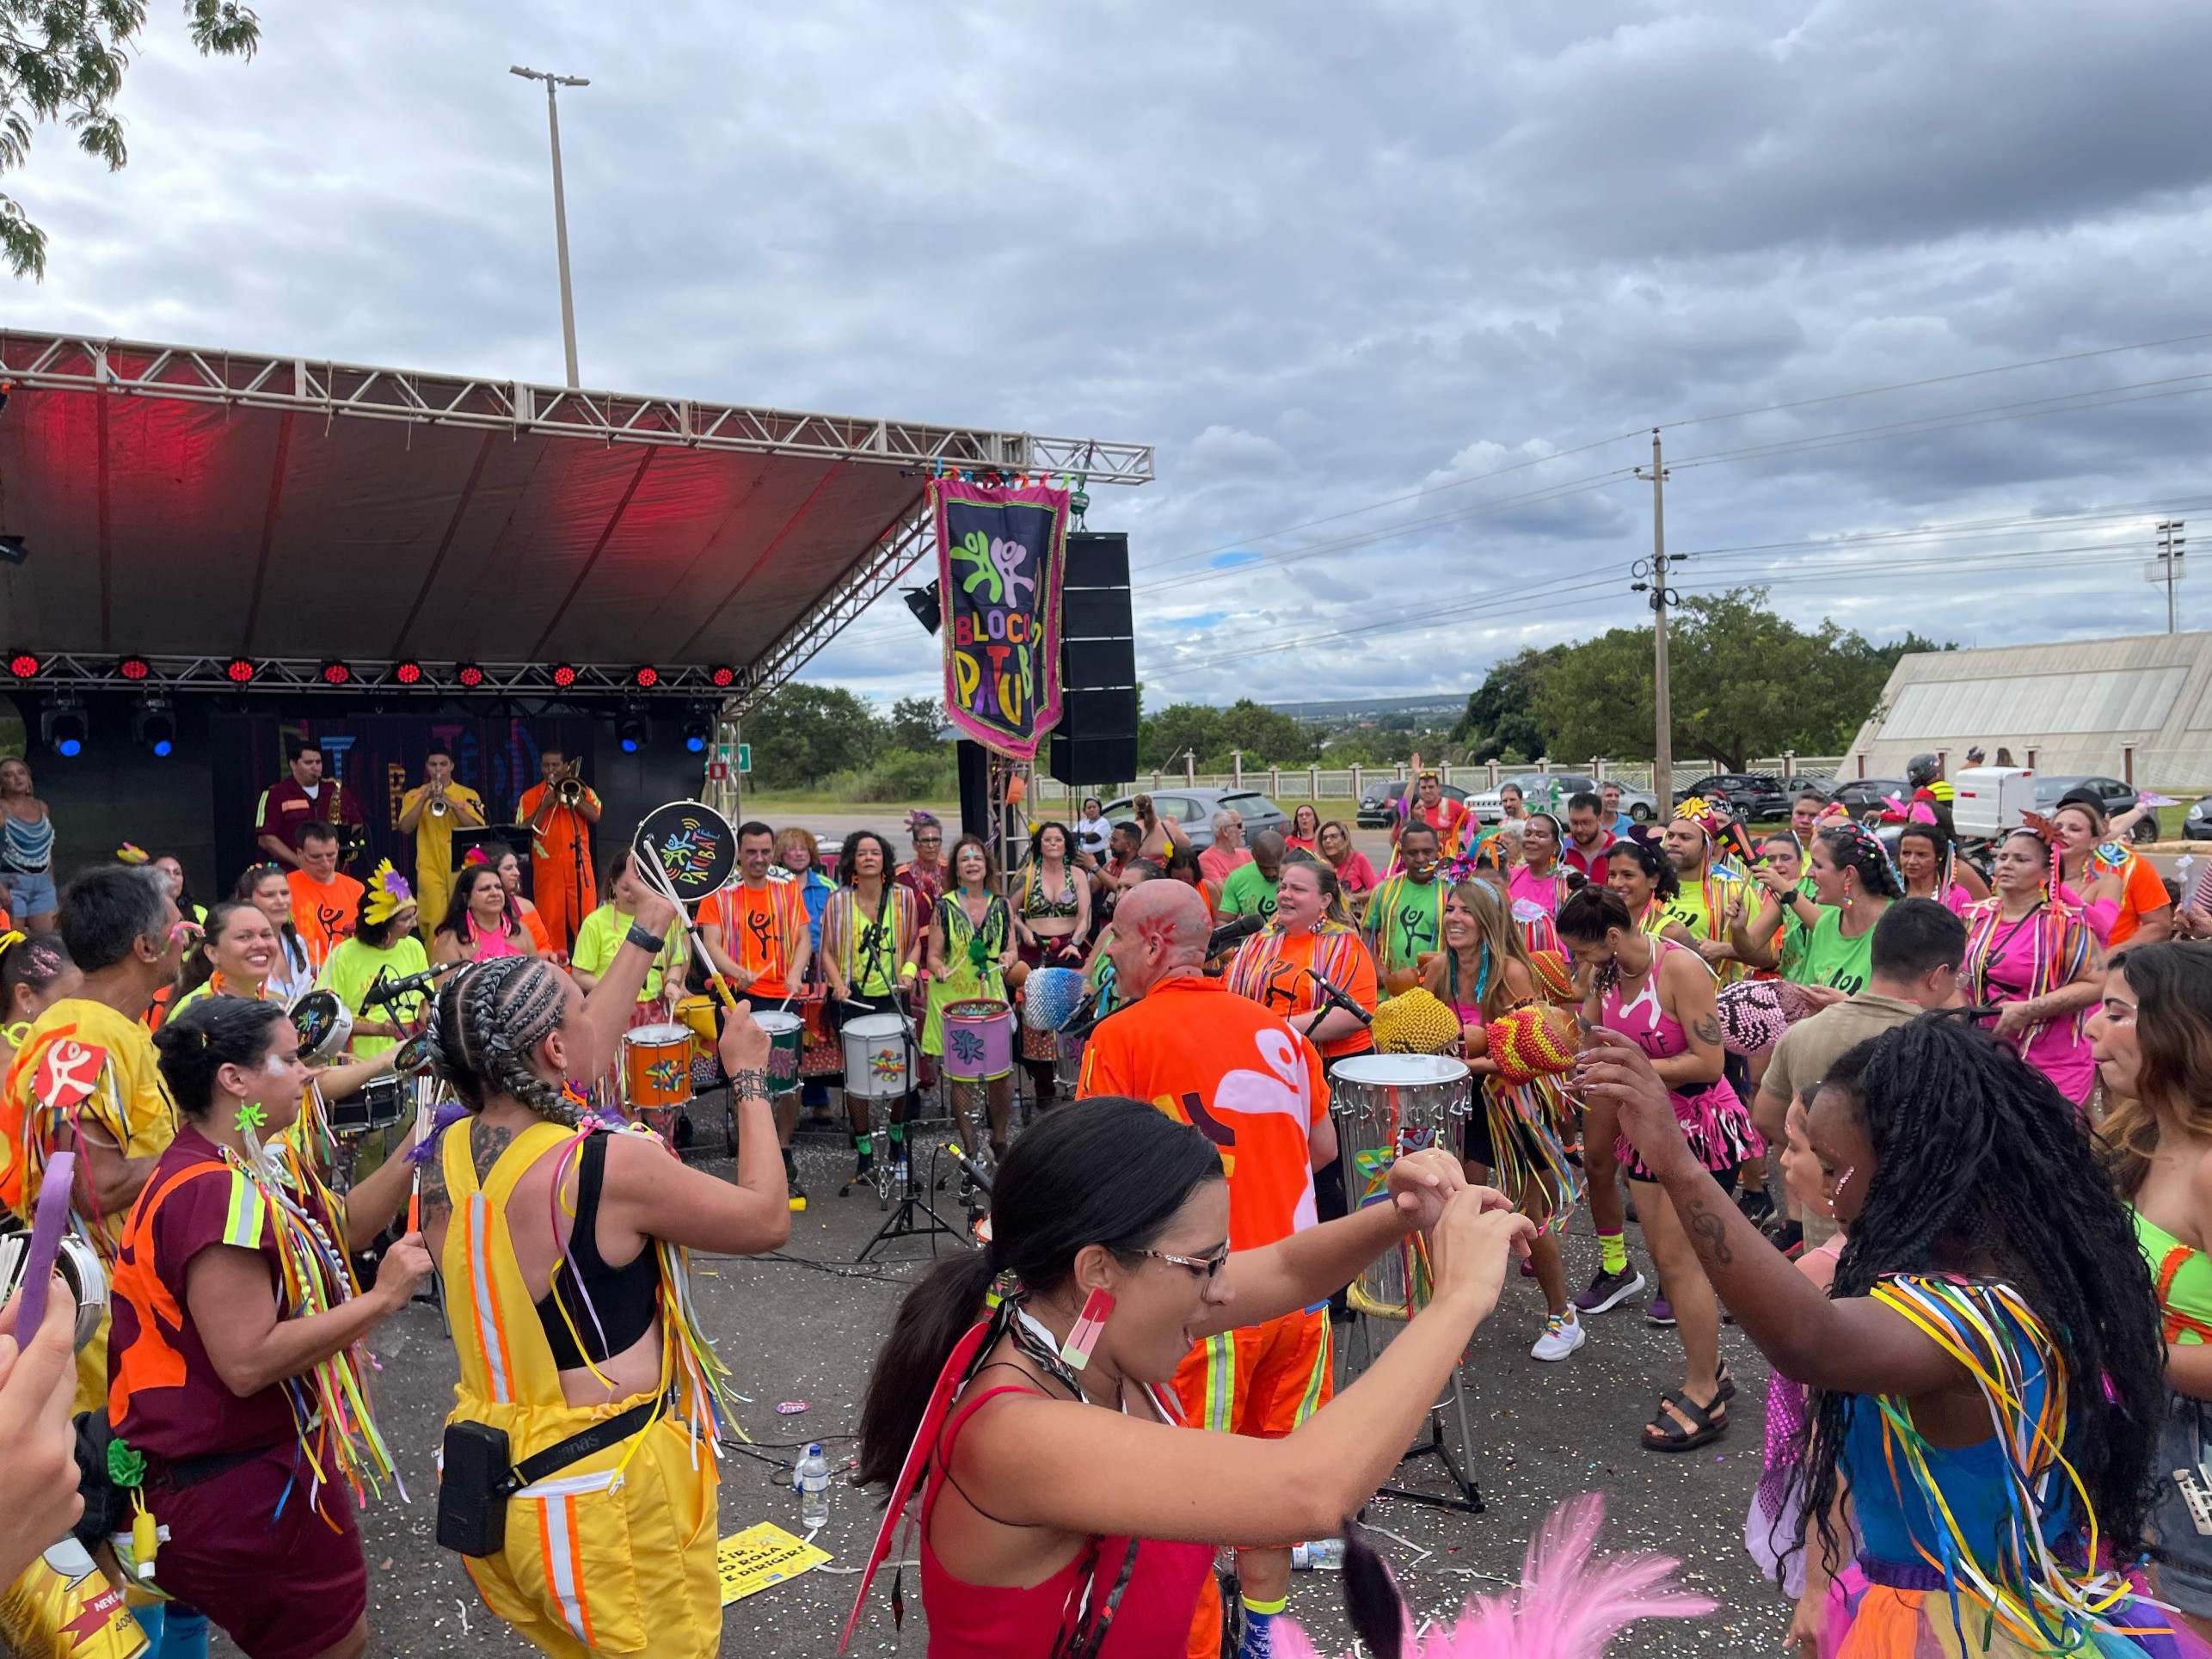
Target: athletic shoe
[(1609, 1290), (865, 1161), (1562, 1334), (1661, 1311), (1756, 1206)]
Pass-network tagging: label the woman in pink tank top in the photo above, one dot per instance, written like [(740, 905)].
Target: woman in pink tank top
[(1660, 995), (1065, 1510)]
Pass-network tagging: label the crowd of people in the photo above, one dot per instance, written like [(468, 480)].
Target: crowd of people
[(1932, 1140)]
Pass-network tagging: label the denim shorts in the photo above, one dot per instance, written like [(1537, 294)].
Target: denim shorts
[(33, 892)]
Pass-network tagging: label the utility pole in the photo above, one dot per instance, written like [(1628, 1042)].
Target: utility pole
[(560, 204), (2168, 567), (1652, 578)]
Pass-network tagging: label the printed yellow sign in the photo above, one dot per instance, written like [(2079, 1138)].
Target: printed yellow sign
[(759, 1556)]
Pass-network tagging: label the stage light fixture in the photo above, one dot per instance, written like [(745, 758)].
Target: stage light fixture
[(64, 728), (240, 671), (645, 677), (722, 676), (564, 674), (468, 676), (14, 549), (925, 605), (407, 672), (24, 665), (334, 673), (134, 669), (154, 726), (633, 732), (699, 732)]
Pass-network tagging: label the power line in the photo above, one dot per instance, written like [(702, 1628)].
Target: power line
[(1963, 529)]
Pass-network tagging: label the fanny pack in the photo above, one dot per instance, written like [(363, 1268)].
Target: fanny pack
[(477, 1477)]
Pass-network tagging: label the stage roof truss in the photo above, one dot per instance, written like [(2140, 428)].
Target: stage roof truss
[(78, 672), (252, 380), (867, 582)]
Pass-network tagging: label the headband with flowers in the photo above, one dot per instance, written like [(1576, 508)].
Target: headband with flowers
[(387, 893)]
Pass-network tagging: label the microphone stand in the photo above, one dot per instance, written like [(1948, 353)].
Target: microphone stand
[(903, 1222)]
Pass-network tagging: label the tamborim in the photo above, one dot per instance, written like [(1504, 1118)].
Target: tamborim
[(1386, 1106), (692, 844), (324, 1023)]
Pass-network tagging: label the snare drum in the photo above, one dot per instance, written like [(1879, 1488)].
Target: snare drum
[(656, 1066), (1386, 1106), (979, 1040), (1068, 1062), (876, 1064), (784, 1032), (378, 1104), (819, 1053)]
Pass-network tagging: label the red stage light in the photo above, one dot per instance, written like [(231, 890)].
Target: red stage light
[(722, 676), (469, 676), (564, 675), (135, 669), (645, 677), (24, 665), (336, 672), (240, 671), (408, 672)]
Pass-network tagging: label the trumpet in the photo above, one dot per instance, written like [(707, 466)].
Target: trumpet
[(569, 791), (438, 807)]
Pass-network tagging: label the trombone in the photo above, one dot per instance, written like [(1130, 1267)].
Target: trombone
[(569, 791)]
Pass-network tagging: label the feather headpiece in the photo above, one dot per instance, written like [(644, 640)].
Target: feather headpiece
[(388, 892)]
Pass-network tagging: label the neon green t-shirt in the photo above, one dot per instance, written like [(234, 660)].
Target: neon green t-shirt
[(1247, 892), (1831, 958), (352, 970), (602, 936)]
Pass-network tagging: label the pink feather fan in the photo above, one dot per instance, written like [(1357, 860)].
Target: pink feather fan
[(1569, 1604)]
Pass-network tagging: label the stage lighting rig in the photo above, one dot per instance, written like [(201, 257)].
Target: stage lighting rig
[(137, 670), (699, 732), (925, 605), (24, 665), (64, 728), (468, 676), (645, 677), (334, 673), (722, 676), (240, 671), (564, 675), (633, 732), (154, 726), (407, 672)]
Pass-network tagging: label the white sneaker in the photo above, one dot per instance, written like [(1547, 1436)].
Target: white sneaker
[(1562, 1334)]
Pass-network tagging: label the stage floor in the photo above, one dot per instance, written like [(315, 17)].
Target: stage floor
[(791, 1332)]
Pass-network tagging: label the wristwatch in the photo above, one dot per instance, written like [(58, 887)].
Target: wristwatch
[(643, 940)]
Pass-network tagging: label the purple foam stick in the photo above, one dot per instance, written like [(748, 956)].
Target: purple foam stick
[(45, 1245)]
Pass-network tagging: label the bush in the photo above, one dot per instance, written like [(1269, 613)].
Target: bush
[(900, 778)]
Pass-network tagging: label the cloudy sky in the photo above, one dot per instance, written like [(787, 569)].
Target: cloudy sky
[(1396, 289)]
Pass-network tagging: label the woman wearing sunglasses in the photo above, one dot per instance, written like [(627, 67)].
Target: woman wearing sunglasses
[(1051, 1351)]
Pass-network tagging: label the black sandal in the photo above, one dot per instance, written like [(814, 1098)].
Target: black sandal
[(1672, 1437), (1726, 1379)]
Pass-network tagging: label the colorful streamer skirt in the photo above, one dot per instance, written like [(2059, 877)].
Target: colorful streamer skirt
[(1891, 1610)]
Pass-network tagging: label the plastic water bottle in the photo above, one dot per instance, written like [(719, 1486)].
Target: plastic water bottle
[(812, 1477), (1322, 1555)]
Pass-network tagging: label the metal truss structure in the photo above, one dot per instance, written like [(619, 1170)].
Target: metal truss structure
[(295, 676), (860, 588), (253, 380)]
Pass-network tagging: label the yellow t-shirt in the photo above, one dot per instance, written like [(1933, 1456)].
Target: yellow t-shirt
[(111, 1080), (434, 842)]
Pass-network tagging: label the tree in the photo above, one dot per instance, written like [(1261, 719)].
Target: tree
[(1499, 717), (914, 724), (802, 733), (63, 60), (1163, 737), (1265, 736)]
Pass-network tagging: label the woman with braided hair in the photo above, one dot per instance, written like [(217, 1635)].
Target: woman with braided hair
[(1985, 1369), (1066, 1508), (581, 1363)]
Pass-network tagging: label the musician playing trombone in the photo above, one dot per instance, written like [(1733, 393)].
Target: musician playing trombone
[(560, 811), (431, 811)]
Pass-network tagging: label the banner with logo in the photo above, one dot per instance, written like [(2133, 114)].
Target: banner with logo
[(1002, 551)]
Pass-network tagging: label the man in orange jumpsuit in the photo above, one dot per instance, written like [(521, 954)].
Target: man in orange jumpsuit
[(560, 849)]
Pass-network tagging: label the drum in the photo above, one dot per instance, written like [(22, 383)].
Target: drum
[(1067, 1063), (324, 1023), (875, 1065), (656, 1068), (979, 1040), (378, 1104), (697, 1015), (784, 1032), (1386, 1106), (819, 1054)]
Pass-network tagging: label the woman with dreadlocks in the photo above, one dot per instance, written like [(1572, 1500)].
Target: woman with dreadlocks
[(2151, 1037), (1066, 1510), (2036, 957), (1985, 1368), (578, 1469)]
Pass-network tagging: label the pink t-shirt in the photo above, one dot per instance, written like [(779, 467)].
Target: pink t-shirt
[(1523, 885), (1215, 864), (1355, 873), (2059, 1049)]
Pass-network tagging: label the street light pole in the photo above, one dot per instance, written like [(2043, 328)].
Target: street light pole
[(560, 203)]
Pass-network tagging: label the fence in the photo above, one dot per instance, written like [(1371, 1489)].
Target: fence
[(1319, 784)]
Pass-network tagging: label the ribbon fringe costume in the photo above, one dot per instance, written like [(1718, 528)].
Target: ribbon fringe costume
[(615, 1554)]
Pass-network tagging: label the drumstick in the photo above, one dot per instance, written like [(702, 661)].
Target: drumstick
[(658, 879)]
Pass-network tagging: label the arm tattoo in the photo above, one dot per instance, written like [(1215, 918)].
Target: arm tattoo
[(1711, 1231), (1707, 1029)]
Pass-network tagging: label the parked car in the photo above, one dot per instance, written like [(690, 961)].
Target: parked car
[(1487, 805), (2115, 797), (2197, 822), (1194, 809), (1756, 796), (1379, 804), (1860, 796), (1794, 787)]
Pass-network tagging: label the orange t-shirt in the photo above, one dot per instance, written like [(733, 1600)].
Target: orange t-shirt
[(760, 930), (323, 911), (2140, 890), (1270, 968), (534, 925), (1242, 1079)]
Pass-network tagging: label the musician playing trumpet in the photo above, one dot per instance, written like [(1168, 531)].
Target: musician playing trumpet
[(431, 811), (560, 811)]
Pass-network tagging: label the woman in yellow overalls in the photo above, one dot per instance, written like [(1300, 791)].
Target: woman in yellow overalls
[(568, 1312)]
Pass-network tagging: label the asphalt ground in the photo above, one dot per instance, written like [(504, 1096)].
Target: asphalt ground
[(805, 1325)]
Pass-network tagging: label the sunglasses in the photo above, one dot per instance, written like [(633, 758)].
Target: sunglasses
[(1202, 1267)]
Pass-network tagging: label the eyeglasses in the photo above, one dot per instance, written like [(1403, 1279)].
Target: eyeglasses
[(1203, 1267)]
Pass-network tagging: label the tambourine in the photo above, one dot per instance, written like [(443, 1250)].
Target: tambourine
[(412, 1057), (692, 845), (80, 1270), (324, 1024)]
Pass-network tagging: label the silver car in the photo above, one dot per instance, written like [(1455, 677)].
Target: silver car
[(1193, 811), (1534, 787)]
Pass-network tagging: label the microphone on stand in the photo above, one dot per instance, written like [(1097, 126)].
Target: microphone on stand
[(1233, 931), (387, 990), (1336, 997)]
